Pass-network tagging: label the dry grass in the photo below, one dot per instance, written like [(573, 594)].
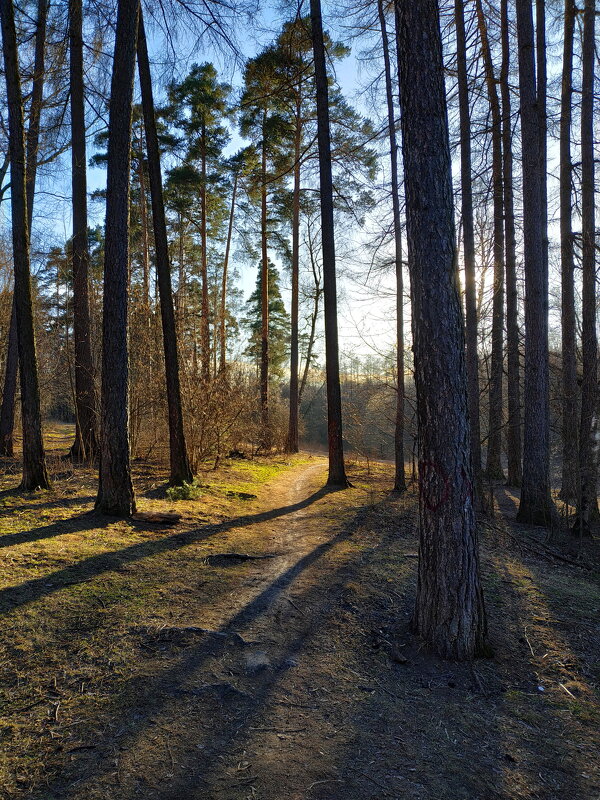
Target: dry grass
[(146, 662)]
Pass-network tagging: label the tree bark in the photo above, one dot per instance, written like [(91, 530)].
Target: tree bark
[(180, 470), (264, 300), (115, 493), (472, 357), (399, 478), (542, 102), (493, 467), (536, 505), (7, 410), (292, 438), (588, 431), (337, 471), (449, 612), (568, 349), (85, 446), (34, 463), (513, 432)]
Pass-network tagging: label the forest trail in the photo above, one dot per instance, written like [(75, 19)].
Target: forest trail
[(261, 650)]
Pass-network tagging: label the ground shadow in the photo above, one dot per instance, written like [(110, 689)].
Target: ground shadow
[(36, 588)]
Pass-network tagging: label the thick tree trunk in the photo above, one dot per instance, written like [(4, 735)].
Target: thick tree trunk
[(542, 102), (399, 478), (34, 463), (85, 446), (223, 310), (568, 349), (449, 612), (264, 301), (536, 505), (115, 493), (466, 179), (292, 438), (493, 467), (513, 432), (7, 410), (180, 466), (337, 471), (588, 431)]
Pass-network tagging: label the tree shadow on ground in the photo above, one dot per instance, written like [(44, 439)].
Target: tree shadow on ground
[(311, 724), (174, 694), (36, 588)]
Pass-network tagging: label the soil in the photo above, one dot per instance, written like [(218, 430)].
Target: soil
[(260, 648)]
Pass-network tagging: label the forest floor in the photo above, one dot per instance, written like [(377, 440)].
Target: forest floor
[(259, 649)]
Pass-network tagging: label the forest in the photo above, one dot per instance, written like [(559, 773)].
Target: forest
[(299, 419)]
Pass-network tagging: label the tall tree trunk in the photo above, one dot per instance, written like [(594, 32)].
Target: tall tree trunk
[(494, 450), (34, 462), (569, 359), (542, 102), (466, 179), (115, 492), (7, 410), (85, 446), (180, 471), (264, 299), (292, 438), (588, 432), (449, 612), (337, 471), (204, 321), (399, 479), (536, 505), (513, 432), (223, 311)]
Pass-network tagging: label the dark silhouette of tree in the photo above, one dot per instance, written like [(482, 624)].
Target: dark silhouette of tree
[(588, 431), (466, 190), (337, 472), (568, 326), (34, 463), (115, 492), (399, 478), (536, 505), (7, 410), (180, 470), (493, 467), (85, 446), (449, 612), (513, 387)]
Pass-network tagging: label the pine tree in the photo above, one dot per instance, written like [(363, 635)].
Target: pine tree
[(115, 492), (34, 463), (449, 612)]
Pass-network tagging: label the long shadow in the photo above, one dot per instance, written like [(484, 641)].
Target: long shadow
[(62, 502), (83, 522), (36, 588), (169, 687)]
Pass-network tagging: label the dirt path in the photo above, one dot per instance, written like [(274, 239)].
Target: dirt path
[(292, 675)]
